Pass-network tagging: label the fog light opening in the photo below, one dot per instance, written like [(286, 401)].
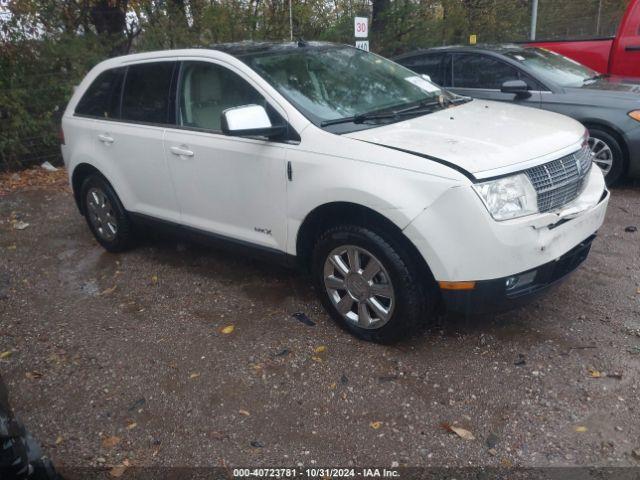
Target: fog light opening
[(520, 281)]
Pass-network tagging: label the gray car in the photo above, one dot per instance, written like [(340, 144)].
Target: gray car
[(609, 107)]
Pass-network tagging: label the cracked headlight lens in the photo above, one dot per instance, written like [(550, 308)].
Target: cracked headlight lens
[(508, 197)]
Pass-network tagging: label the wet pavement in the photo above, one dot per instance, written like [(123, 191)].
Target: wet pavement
[(131, 358)]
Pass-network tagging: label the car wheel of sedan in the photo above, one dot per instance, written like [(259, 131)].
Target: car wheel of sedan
[(105, 214), (370, 285), (607, 154)]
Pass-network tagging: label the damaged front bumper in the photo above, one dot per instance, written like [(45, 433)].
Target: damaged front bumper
[(502, 294), (461, 243)]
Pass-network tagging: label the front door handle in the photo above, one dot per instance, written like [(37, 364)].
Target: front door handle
[(632, 48), (105, 138), (181, 151)]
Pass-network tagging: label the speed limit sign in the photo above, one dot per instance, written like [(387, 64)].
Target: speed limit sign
[(361, 27)]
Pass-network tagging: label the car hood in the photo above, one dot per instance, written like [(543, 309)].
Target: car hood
[(481, 136), (616, 84)]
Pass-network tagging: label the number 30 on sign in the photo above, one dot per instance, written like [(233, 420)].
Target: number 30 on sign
[(361, 27)]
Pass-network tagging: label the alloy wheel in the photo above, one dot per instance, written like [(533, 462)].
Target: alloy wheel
[(101, 214), (602, 154), (359, 287)]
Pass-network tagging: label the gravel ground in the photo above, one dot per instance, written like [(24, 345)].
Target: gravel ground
[(127, 358)]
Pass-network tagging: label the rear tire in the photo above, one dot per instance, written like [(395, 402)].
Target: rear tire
[(370, 284), (608, 154), (105, 214)]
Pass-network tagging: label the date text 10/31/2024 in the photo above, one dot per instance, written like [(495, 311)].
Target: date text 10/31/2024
[(315, 472)]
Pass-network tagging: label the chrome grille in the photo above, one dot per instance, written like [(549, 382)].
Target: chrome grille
[(560, 181)]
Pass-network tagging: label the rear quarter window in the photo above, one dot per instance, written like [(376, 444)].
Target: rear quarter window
[(102, 98), (147, 92)]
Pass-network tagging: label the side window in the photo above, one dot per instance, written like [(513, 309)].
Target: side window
[(427, 65), (146, 96), (480, 71), (102, 98), (206, 90)]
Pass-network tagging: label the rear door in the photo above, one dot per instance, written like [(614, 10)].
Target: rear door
[(131, 141), (481, 76)]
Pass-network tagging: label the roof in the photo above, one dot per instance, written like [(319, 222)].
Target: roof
[(240, 49), (494, 48)]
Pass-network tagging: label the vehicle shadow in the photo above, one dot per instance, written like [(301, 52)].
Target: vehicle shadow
[(291, 289)]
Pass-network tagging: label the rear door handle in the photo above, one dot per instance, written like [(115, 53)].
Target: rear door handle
[(104, 138), (181, 151), (632, 48)]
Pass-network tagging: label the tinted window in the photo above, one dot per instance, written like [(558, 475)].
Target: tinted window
[(102, 98), (426, 65), (206, 90), (479, 71), (147, 91)]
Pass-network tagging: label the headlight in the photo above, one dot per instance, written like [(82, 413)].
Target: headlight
[(508, 197)]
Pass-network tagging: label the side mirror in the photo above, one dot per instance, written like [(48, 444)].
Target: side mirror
[(426, 77), (518, 87), (249, 121)]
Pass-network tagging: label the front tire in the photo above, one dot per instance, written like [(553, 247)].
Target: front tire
[(608, 154), (105, 214), (371, 285)]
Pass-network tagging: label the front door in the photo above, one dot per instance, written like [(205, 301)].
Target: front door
[(229, 186), (482, 76)]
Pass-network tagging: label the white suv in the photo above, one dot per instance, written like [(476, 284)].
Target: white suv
[(396, 195)]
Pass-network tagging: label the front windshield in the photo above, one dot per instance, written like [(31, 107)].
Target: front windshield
[(554, 67), (330, 82)]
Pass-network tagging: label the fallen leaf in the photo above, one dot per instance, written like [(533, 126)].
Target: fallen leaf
[(59, 440), (12, 247), (244, 412), (110, 442), (6, 354), (108, 290), (316, 359), (462, 433), (333, 386), (581, 429), (320, 349), (594, 373), (20, 225), (257, 368), (132, 425), (33, 375), (117, 471), (228, 329), (375, 425), (154, 279), (194, 375)]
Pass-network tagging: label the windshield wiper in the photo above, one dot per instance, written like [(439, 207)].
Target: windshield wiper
[(360, 118), (599, 76), (421, 107)]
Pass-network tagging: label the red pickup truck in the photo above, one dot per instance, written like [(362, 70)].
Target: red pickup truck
[(619, 55)]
